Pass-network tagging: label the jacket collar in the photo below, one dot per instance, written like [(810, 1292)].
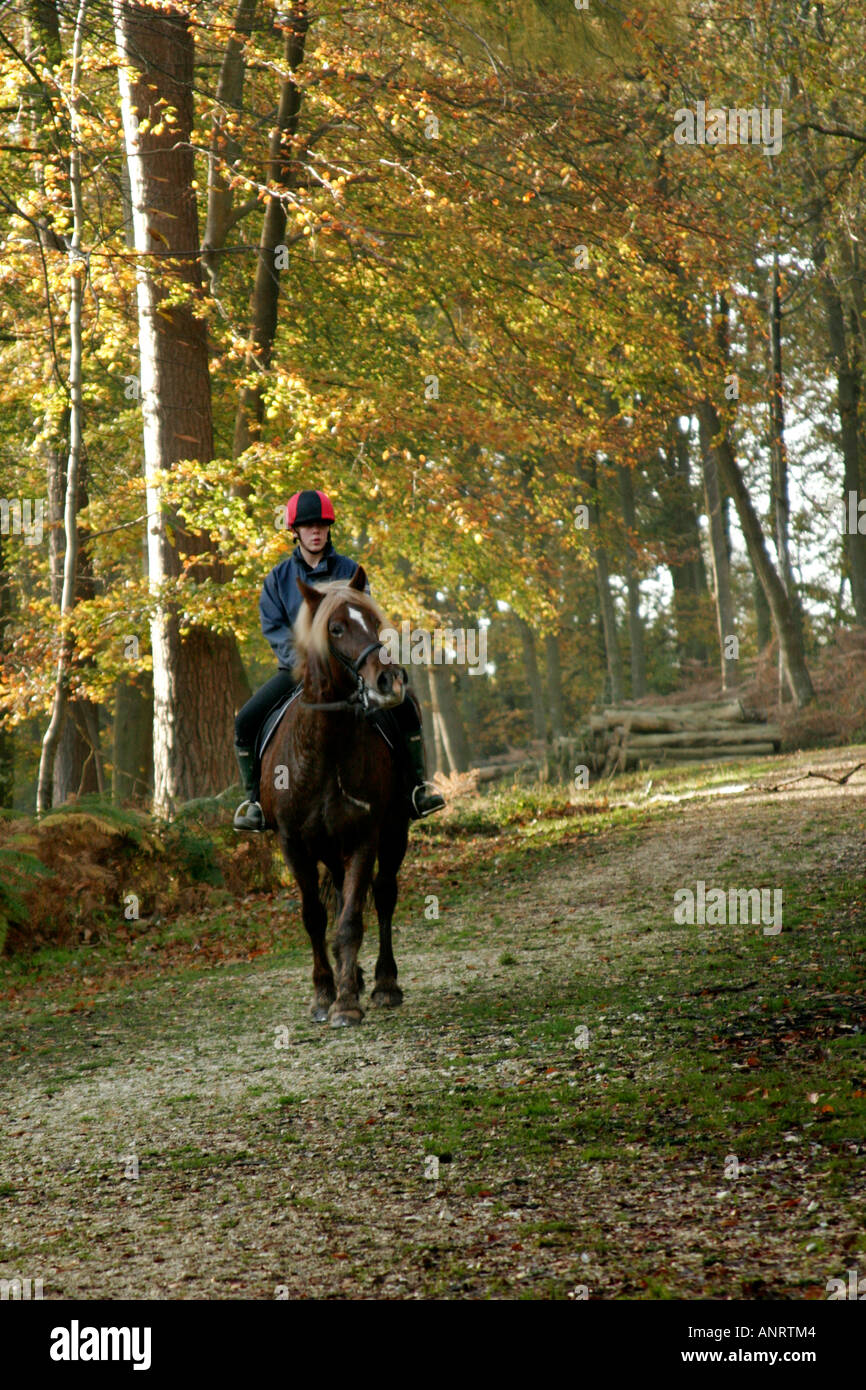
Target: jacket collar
[(324, 565)]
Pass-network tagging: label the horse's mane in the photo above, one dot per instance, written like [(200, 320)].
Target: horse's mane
[(310, 632)]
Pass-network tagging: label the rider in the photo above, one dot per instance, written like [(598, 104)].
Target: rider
[(310, 515)]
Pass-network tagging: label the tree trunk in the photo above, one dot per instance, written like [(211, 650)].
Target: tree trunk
[(266, 290), (848, 389), (192, 675), (471, 695), (7, 744), (613, 656), (679, 531), (132, 776), (790, 641), (778, 449), (718, 552), (421, 680), (635, 622), (77, 266), (553, 670), (530, 666), (763, 617), (224, 147), (450, 723), (77, 763), (440, 757), (45, 20)]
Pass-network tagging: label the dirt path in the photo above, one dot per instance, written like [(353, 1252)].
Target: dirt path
[(616, 1105)]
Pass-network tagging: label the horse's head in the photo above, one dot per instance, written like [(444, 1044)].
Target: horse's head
[(337, 632)]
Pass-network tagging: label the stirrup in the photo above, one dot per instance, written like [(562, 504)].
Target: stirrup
[(249, 816), (438, 801)]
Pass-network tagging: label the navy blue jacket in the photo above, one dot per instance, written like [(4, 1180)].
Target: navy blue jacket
[(281, 598)]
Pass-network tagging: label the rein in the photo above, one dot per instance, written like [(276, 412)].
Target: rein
[(359, 700)]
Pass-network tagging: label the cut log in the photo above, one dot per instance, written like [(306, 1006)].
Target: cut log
[(697, 738), (656, 723), (494, 773), (723, 712), (700, 755)]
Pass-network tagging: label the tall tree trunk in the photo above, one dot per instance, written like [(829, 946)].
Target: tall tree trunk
[(763, 617), (77, 268), (266, 290), (420, 676), (225, 149), (718, 552), (77, 761), (679, 530), (440, 757), (848, 388), (553, 671), (192, 675), (7, 744), (635, 622), (471, 694), (719, 523), (778, 448), (530, 667), (46, 24), (787, 631), (613, 656), (132, 763), (450, 723), (132, 742)]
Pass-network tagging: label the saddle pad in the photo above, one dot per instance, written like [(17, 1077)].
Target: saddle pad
[(272, 720), (266, 732)]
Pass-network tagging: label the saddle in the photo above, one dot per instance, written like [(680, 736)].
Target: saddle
[(383, 722)]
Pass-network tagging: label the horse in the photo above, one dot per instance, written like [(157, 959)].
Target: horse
[(333, 790)]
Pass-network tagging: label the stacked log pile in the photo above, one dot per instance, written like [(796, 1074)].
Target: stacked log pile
[(633, 736)]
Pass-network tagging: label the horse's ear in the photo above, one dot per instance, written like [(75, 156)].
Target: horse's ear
[(359, 579), (313, 596)]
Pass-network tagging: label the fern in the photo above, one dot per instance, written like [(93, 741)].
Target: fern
[(209, 807), (18, 872), (101, 813)]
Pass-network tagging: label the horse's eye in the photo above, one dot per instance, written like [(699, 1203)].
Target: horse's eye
[(336, 629)]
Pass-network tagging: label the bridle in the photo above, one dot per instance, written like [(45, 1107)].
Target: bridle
[(359, 700)]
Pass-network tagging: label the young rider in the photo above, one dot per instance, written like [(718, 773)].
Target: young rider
[(310, 516)]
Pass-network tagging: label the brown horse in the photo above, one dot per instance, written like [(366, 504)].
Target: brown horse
[(333, 790)]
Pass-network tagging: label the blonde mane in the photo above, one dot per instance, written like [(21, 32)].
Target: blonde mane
[(310, 634)]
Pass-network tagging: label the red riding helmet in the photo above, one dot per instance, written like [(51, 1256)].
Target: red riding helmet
[(307, 508)]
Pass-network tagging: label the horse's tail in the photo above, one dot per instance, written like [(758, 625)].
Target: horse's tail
[(332, 899)]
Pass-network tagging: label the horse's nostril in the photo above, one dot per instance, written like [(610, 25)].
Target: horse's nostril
[(384, 682)]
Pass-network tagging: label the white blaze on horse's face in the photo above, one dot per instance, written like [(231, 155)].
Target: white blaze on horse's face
[(388, 687)]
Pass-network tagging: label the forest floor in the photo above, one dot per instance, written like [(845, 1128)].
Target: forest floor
[(579, 1097)]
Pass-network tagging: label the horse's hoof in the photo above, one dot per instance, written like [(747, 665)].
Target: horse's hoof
[(344, 1018), (387, 996), (319, 1013)]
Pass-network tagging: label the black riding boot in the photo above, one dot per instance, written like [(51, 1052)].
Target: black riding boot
[(423, 799), (249, 815)]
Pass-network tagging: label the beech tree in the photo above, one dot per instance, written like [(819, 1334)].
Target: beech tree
[(193, 666), (77, 267)]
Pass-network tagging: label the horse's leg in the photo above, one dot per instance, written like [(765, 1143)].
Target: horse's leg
[(315, 918), (336, 869), (392, 847), (346, 1008)]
